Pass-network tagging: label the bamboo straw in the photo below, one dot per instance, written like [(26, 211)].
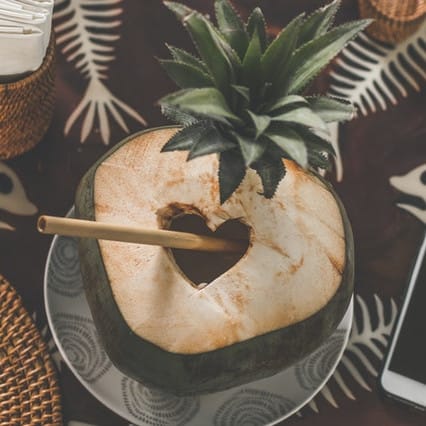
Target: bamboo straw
[(130, 234)]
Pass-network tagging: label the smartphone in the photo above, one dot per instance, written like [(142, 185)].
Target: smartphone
[(404, 371)]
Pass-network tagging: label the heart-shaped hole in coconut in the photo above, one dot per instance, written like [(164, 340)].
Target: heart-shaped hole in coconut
[(201, 267)]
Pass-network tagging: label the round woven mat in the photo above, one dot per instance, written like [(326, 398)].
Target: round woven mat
[(29, 393)]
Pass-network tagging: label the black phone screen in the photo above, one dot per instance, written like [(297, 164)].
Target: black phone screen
[(409, 356)]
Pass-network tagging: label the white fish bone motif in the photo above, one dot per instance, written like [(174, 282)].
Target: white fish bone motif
[(13, 198), (85, 29), (366, 346), (414, 184), (370, 74)]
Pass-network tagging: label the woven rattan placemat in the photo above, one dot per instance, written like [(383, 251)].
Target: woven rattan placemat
[(29, 393)]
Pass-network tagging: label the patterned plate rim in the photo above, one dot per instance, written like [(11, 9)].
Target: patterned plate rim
[(346, 326), (350, 311)]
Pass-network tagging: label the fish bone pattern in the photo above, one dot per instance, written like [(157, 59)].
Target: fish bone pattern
[(86, 31), (13, 198), (373, 76), (413, 184)]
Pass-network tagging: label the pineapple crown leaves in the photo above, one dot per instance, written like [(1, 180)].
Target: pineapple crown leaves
[(241, 98)]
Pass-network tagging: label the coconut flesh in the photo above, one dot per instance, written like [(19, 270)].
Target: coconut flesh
[(292, 268)]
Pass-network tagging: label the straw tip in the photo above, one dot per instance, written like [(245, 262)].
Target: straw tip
[(41, 224)]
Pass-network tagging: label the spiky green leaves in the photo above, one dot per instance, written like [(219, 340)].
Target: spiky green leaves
[(208, 102), (185, 75), (231, 173), (331, 108), (318, 23), (251, 149), (256, 23), (231, 27), (291, 144), (313, 56), (271, 171), (199, 139), (276, 59), (242, 97), (219, 58), (251, 62)]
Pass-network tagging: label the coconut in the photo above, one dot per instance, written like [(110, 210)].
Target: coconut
[(278, 303)]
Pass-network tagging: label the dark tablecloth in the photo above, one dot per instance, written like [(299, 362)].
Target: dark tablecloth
[(374, 148)]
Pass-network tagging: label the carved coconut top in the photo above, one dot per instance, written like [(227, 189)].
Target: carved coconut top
[(291, 270)]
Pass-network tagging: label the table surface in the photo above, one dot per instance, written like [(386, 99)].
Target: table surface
[(374, 148)]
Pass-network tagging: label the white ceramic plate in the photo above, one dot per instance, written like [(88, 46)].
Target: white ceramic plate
[(263, 402)]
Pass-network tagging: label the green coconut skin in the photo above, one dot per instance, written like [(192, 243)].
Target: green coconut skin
[(188, 374)]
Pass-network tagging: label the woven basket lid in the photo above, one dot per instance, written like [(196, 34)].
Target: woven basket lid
[(29, 393), (401, 10)]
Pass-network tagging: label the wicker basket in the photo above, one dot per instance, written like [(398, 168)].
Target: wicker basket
[(29, 393), (395, 20), (26, 108)]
